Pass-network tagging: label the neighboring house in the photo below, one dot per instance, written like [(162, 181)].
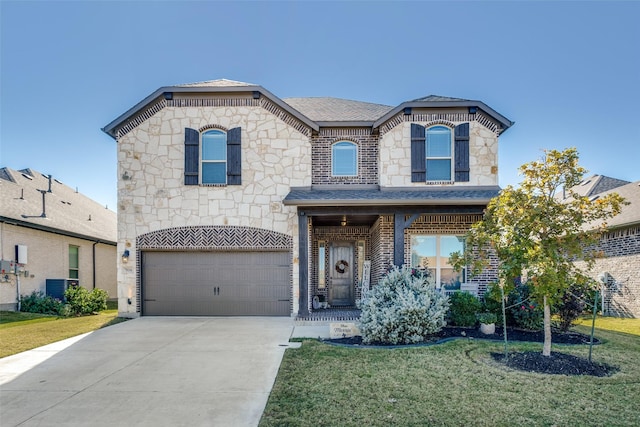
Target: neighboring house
[(61, 234), (620, 246), (232, 201)]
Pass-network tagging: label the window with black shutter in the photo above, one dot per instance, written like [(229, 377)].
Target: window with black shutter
[(462, 152), (418, 160), (191, 156), (234, 156)]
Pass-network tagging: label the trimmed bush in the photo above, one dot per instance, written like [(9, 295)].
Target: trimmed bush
[(463, 309), (37, 302), (81, 301), (404, 308)]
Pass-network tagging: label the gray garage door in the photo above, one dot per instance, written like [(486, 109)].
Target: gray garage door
[(216, 284)]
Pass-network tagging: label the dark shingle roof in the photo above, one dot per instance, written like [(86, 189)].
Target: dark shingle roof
[(597, 184), (66, 210), (400, 196), (326, 109)]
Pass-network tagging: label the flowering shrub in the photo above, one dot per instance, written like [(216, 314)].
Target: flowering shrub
[(527, 314), (403, 308)]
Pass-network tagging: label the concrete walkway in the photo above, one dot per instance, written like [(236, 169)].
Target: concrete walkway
[(151, 371)]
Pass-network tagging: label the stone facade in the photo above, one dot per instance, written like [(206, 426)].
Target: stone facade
[(282, 150), (151, 192), (395, 152)]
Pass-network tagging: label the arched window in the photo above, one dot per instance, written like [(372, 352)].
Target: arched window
[(214, 157), (344, 159), (438, 153)]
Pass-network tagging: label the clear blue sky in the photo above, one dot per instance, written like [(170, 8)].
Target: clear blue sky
[(568, 73)]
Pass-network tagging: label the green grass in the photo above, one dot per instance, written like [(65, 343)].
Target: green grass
[(620, 324), (452, 384), (25, 331)]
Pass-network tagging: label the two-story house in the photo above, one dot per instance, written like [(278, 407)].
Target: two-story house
[(232, 201)]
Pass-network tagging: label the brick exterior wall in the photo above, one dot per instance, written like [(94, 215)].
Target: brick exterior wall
[(381, 247), (367, 156), (622, 263), (336, 234)]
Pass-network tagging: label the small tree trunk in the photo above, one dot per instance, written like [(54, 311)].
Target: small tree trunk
[(546, 348)]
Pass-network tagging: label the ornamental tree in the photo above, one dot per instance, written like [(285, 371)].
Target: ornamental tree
[(538, 234)]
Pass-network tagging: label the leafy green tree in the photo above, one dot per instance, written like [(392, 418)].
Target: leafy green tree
[(537, 234)]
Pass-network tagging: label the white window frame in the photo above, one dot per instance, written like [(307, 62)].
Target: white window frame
[(204, 161), (450, 157), (333, 155), (437, 269)]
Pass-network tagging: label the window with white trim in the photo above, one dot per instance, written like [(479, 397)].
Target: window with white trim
[(433, 252), (214, 157), (439, 149), (344, 159)]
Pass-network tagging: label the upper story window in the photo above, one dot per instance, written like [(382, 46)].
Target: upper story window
[(344, 159), (214, 157), (438, 150), (440, 154)]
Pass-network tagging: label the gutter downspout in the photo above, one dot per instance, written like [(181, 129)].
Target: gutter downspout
[(94, 263)]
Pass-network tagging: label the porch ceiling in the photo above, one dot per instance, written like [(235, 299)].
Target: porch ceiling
[(351, 220)]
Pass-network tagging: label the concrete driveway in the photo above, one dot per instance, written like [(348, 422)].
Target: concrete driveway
[(151, 371)]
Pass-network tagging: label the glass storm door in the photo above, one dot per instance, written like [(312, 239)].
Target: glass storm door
[(341, 274)]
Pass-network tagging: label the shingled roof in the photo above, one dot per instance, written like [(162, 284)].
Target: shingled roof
[(327, 109), (314, 112), (389, 196), (597, 184), (65, 211)]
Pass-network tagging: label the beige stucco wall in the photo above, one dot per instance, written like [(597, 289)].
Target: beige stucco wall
[(275, 157), (395, 156), (48, 258)]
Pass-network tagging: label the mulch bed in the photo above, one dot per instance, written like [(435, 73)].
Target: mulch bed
[(531, 361)]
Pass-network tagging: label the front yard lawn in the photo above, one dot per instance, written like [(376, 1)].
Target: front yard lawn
[(451, 384), (25, 331)]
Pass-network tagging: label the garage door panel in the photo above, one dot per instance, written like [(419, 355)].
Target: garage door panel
[(216, 283)]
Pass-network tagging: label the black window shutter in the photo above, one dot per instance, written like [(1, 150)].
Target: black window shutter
[(234, 156), (462, 152), (191, 156), (418, 160)]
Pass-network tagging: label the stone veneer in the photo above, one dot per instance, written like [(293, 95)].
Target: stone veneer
[(395, 152), (151, 192)]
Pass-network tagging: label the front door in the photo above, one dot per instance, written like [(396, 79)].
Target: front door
[(341, 274)]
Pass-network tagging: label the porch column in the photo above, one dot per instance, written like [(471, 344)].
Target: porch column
[(398, 239), (400, 224), (303, 263)]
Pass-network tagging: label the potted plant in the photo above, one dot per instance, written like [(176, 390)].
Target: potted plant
[(487, 322)]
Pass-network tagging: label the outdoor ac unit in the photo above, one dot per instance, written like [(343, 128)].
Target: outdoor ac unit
[(57, 287)]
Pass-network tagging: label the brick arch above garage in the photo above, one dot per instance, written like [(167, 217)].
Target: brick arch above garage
[(214, 237)]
